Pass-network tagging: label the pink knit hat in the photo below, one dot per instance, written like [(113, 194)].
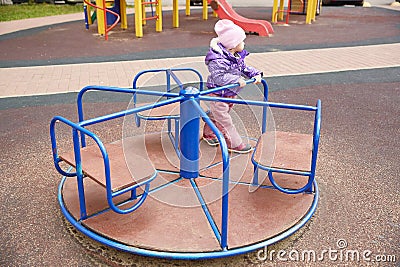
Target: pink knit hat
[(229, 34)]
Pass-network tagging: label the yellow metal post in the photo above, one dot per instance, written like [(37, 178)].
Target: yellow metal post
[(175, 14), (205, 9), (124, 21), (187, 8), (281, 9), (159, 14), (138, 18), (314, 9), (144, 21), (309, 11), (101, 27), (274, 10)]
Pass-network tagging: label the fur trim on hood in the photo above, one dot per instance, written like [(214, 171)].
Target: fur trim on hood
[(214, 46)]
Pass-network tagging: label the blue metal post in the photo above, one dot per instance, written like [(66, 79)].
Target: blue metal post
[(86, 16), (225, 179), (176, 137), (264, 122), (316, 133), (79, 174), (189, 134)]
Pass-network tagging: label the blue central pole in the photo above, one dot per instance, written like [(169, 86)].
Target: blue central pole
[(189, 134)]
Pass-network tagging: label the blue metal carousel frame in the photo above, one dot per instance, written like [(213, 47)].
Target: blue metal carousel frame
[(187, 148)]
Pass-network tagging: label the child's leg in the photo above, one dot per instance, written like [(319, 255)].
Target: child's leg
[(207, 132), (223, 121)]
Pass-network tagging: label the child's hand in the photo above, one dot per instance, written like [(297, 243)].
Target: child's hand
[(242, 82), (258, 79)]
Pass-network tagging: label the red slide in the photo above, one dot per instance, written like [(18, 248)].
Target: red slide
[(225, 11)]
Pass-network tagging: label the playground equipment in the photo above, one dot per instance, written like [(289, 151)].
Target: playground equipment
[(113, 12), (120, 193), (225, 11), (295, 154), (106, 13), (109, 13), (309, 8), (140, 16)]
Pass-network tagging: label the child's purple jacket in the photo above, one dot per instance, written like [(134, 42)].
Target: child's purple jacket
[(226, 69)]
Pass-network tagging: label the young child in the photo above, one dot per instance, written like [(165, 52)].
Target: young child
[(225, 62)]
